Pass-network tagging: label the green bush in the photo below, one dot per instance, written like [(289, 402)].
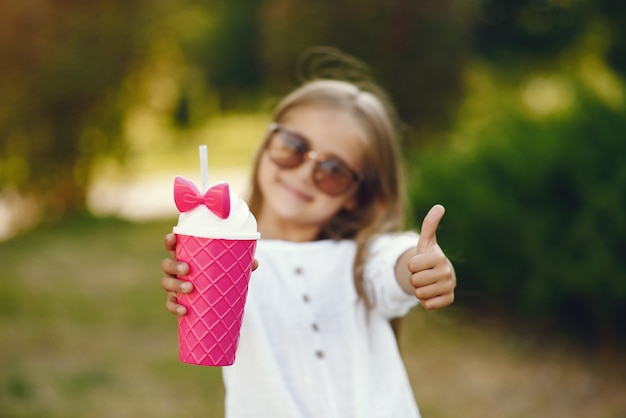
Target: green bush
[(536, 218)]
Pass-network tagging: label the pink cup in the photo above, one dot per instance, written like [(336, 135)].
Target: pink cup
[(219, 269)]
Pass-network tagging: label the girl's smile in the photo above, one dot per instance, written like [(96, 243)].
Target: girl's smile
[(307, 197)]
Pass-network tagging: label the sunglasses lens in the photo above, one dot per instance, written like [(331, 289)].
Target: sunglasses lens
[(332, 176), (287, 151)]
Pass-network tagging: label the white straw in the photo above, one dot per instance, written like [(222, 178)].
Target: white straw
[(204, 168)]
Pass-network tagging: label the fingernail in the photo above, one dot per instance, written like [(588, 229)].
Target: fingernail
[(180, 310), (185, 287), (179, 269)]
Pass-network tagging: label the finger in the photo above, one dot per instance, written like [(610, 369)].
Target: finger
[(426, 261), (171, 304), (424, 278), (170, 244), (432, 290), (428, 234), (438, 302), (174, 268), (255, 264), (174, 285), (443, 275)]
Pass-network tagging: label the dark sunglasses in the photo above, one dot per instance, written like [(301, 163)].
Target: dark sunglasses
[(287, 149)]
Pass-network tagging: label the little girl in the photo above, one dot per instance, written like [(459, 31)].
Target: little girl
[(333, 266)]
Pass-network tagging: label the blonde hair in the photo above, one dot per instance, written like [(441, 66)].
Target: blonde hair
[(380, 196)]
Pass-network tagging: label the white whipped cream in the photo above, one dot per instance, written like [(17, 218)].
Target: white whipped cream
[(201, 222)]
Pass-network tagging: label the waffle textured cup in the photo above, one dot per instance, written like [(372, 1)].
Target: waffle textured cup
[(219, 269)]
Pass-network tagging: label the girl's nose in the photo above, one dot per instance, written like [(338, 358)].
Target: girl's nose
[(311, 155), (305, 170)]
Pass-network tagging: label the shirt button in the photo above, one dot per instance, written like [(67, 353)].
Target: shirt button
[(315, 327), (306, 298), (298, 270), (319, 354)]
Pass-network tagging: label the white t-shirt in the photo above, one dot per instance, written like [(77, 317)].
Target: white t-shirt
[(308, 349)]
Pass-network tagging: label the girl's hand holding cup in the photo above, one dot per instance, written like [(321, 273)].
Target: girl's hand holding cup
[(170, 282)]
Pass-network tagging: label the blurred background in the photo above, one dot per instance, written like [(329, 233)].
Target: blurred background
[(515, 117)]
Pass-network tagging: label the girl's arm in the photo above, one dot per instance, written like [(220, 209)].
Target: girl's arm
[(425, 271)]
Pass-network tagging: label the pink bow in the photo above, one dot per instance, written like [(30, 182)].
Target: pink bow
[(188, 197)]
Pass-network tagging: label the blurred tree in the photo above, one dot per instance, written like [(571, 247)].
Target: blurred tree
[(63, 67), (535, 166), (524, 34), (418, 49), (226, 51), (507, 29), (536, 225), (613, 16), (66, 64)]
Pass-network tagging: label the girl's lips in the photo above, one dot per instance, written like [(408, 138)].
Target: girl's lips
[(295, 192)]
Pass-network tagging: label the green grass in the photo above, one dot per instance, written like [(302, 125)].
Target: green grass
[(83, 332)]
